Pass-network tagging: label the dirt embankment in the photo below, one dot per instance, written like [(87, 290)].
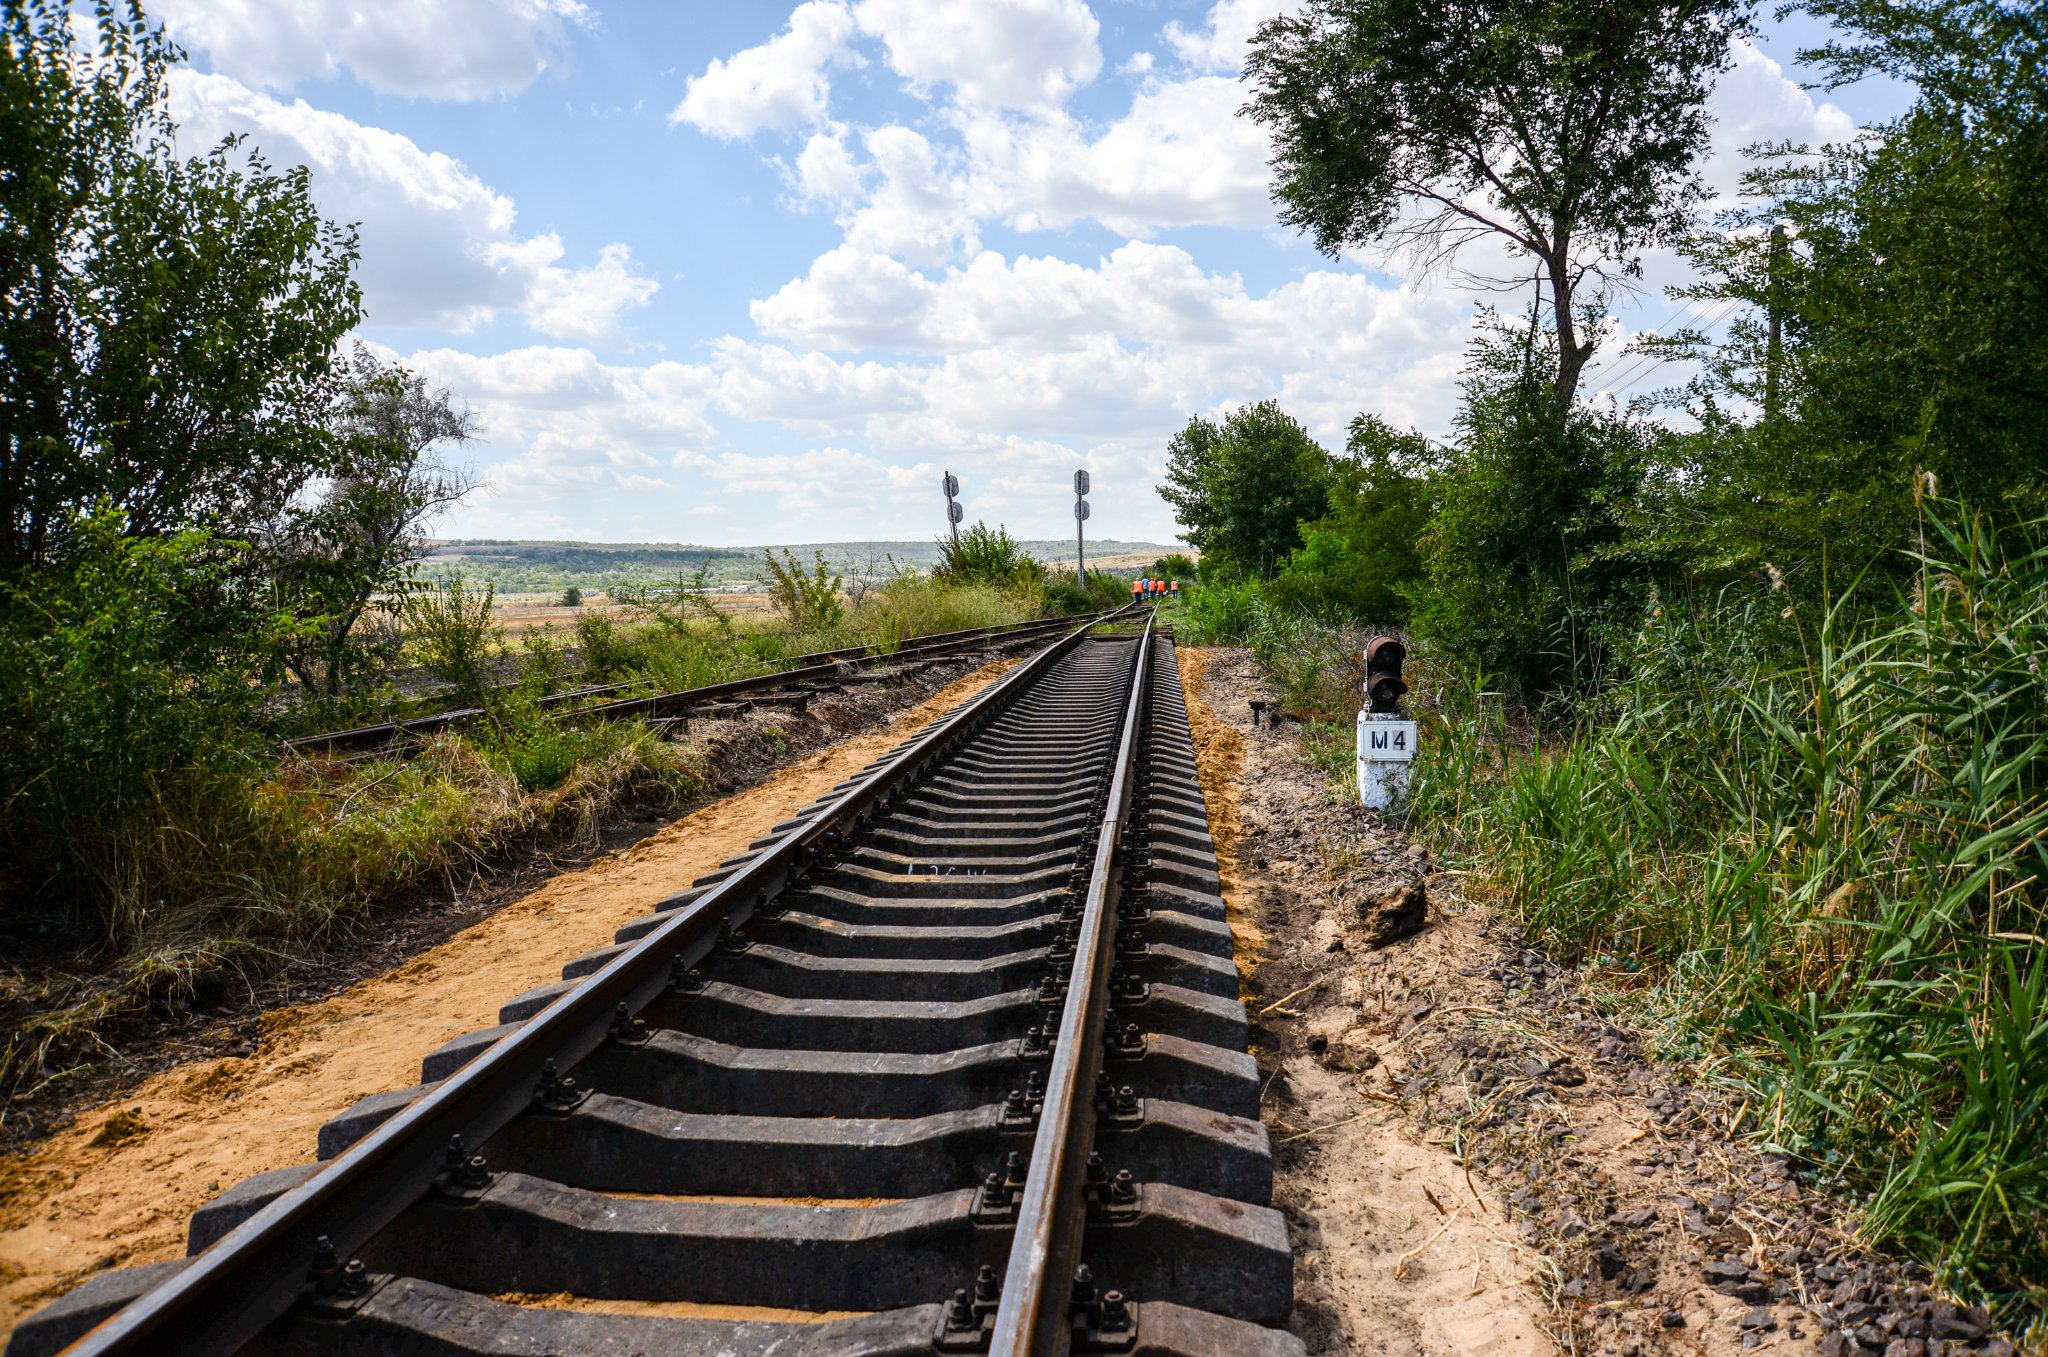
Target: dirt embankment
[(116, 1186), (1475, 1156)]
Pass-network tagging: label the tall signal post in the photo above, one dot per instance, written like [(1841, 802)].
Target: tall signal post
[(1080, 517), (954, 513)]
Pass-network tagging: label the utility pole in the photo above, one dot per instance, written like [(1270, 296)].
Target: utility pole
[(1774, 312), (954, 513), (1080, 517)]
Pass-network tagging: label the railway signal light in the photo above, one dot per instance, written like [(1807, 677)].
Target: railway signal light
[(1386, 738), (954, 513), (1384, 685), (1080, 517)]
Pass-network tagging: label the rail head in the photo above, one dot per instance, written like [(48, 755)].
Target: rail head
[(1032, 1316), (253, 1275)]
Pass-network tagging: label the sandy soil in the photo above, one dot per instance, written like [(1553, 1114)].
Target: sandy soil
[(1475, 1154), (117, 1186), (1396, 1249)]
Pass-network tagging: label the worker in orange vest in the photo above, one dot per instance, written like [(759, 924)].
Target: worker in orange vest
[(1137, 589), (1173, 587)]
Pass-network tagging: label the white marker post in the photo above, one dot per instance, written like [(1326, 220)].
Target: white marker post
[(1386, 751), (1386, 738)]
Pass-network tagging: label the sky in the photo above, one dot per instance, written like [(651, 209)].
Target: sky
[(739, 273)]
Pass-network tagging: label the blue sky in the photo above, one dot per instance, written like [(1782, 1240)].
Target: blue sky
[(730, 274)]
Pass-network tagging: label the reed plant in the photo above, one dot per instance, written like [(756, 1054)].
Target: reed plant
[(1815, 844)]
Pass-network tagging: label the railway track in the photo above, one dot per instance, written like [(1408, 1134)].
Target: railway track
[(805, 676), (952, 1062)]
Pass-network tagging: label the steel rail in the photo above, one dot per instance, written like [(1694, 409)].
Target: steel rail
[(823, 664), (1032, 1318), (252, 1276)]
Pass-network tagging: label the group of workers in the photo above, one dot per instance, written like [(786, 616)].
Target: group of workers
[(1145, 588)]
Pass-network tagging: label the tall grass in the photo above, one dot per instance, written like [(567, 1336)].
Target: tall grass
[(1818, 844)]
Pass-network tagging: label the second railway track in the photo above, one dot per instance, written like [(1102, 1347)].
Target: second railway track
[(953, 1062)]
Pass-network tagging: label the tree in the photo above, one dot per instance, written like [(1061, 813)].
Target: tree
[(1563, 129), (572, 597), (1529, 572), (1241, 488), (1362, 559), (351, 549), (1913, 297), (168, 323)]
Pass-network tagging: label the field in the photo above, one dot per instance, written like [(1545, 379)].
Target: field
[(536, 571)]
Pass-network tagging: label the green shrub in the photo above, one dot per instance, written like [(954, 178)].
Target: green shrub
[(607, 654), (984, 555), (806, 600), (1066, 595), (451, 632), (131, 674), (1218, 613), (913, 605)]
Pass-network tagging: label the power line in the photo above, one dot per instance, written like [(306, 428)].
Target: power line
[(1650, 362)]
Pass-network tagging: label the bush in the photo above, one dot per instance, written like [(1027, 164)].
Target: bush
[(607, 655), (450, 630), (912, 605), (982, 555), (1176, 566), (1067, 596), (131, 674), (1219, 613), (807, 601), (1527, 571)]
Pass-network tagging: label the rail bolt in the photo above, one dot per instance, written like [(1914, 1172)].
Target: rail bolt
[(626, 1029), (325, 1274), (1084, 1299)]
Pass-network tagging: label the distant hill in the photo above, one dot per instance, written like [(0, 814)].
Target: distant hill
[(548, 567)]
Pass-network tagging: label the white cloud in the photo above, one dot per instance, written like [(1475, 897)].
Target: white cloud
[(440, 49), (915, 208), (780, 85), (1018, 54), (1180, 157), (439, 248), (587, 303), (1219, 44), (826, 169), (559, 419)]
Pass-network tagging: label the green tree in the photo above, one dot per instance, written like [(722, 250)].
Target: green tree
[(1565, 130), (1913, 296), (350, 551), (1362, 559), (166, 337), (1241, 488), (1529, 569)]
